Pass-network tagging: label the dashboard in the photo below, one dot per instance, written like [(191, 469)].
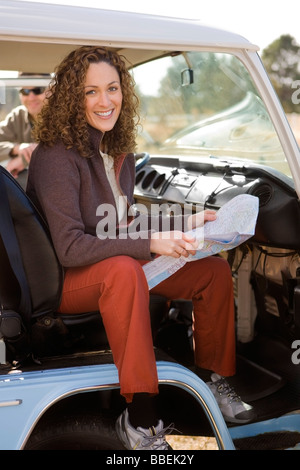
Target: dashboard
[(210, 183)]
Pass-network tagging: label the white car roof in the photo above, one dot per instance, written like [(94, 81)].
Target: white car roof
[(47, 32)]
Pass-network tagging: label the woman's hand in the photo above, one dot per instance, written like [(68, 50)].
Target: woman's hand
[(173, 243), (176, 243), (199, 219)]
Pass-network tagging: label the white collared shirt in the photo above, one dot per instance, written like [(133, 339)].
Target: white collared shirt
[(121, 201)]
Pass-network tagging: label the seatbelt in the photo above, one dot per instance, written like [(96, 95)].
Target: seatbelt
[(9, 238)]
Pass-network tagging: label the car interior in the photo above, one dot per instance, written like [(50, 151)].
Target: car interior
[(194, 152)]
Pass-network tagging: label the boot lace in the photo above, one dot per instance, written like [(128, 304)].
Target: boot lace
[(223, 388), (158, 441)]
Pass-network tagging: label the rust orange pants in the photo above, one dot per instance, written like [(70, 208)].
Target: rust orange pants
[(118, 288)]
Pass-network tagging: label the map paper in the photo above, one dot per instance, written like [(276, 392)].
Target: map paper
[(235, 224)]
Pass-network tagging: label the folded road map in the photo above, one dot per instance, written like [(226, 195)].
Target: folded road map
[(235, 223)]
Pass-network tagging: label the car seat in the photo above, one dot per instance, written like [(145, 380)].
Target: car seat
[(31, 280)]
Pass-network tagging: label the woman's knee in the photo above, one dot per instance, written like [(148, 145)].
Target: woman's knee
[(222, 265), (224, 268), (214, 271), (221, 270), (125, 269)]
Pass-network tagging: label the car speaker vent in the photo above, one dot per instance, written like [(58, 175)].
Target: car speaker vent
[(148, 180), (264, 192), (140, 175)]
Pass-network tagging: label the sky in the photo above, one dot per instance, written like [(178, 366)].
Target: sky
[(260, 21)]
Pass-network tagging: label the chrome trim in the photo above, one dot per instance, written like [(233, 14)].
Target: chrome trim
[(15, 402), (172, 382), (199, 398), (61, 397)]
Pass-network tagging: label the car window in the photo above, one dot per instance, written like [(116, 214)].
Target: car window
[(205, 104), (9, 98)]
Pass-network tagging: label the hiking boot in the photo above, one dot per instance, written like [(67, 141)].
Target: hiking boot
[(233, 409), (152, 438)]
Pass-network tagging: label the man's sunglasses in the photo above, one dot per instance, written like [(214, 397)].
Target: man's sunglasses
[(36, 91)]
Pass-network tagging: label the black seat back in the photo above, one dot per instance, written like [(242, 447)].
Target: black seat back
[(42, 269), (46, 332)]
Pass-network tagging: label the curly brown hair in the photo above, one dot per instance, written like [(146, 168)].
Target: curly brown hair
[(63, 115)]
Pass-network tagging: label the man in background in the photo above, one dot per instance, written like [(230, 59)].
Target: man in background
[(16, 142)]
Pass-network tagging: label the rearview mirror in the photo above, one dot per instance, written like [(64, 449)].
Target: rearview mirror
[(187, 77)]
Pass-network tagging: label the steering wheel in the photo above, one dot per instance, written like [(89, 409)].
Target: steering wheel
[(141, 159)]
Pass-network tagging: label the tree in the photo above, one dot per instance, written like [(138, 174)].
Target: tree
[(282, 62)]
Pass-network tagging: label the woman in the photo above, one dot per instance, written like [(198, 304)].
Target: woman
[(86, 134)]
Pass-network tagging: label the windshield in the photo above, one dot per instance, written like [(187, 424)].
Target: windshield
[(205, 104)]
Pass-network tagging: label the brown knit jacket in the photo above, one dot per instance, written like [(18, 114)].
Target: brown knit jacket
[(68, 189)]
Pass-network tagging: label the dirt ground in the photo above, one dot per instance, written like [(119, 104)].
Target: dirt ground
[(192, 443)]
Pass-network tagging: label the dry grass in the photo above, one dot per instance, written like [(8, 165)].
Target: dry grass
[(192, 443)]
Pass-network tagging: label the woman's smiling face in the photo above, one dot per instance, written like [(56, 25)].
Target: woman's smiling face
[(103, 96)]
